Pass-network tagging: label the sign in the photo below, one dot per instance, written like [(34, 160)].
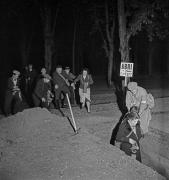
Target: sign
[(126, 69)]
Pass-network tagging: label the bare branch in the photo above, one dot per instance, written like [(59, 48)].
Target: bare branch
[(107, 22)]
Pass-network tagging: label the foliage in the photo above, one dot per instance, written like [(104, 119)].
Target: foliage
[(102, 15), (150, 15)]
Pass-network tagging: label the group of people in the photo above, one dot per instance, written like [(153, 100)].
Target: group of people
[(50, 92), (136, 121), (43, 90)]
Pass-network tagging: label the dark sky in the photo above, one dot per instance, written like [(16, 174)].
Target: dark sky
[(20, 19)]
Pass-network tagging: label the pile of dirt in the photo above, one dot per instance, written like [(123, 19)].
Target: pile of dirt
[(36, 144)]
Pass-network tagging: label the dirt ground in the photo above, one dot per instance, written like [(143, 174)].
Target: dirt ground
[(38, 145)]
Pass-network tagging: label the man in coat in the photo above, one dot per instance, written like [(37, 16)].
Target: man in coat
[(137, 96), (42, 95), (61, 84), (13, 94), (129, 135), (71, 76)]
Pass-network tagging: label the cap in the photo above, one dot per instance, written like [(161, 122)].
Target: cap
[(67, 67), (15, 72), (132, 86), (133, 115), (58, 66), (43, 69)]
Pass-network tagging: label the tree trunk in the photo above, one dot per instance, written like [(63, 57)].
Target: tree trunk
[(48, 39), (124, 39), (48, 53), (150, 59), (24, 54), (110, 67), (167, 59), (74, 46)]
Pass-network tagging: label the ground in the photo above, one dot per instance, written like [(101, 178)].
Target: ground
[(38, 145)]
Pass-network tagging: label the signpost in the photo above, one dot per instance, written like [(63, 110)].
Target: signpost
[(126, 70)]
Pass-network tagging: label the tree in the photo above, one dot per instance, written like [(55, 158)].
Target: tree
[(158, 28), (18, 12), (104, 23), (132, 15), (138, 15), (26, 32), (49, 27)]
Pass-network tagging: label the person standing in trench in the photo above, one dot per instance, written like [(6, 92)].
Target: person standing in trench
[(138, 96)]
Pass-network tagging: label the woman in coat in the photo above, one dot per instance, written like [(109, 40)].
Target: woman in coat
[(129, 135), (84, 90)]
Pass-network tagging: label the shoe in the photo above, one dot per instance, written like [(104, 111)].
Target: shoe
[(65, 106)]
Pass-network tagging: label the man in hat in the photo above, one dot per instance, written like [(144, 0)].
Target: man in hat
[(137, 96), (13, 94), (71, 85), (42, 95), (43, 72), (61, 84)]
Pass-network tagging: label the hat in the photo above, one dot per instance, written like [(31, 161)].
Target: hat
[(47, 76), (15, 72), (58, 66), (43, 69), (132, 86), (132, 116), (67, 67)]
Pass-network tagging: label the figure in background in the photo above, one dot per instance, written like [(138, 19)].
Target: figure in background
[(84, 89), (31, 76), (138, 96), (61, 85), (129, 135), (13, 97), (71, 85), (24, 80), (43, 72), (42, 95)]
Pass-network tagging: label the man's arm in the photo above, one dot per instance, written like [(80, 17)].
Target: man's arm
[(143, 103)]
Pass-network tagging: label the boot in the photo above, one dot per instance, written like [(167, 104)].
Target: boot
[(57, 104), (88, 107)]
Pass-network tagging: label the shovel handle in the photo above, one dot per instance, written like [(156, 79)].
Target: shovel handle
[(74, 123)]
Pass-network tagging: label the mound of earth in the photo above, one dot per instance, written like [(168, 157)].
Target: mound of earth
[(38, 145)]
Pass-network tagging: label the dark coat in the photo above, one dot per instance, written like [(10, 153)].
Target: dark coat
[(42, 88), (60, 80), (10, 85), (123, 135), (88, 80)]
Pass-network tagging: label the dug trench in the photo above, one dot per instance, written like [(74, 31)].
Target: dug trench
[(36, 144), (154, 145)]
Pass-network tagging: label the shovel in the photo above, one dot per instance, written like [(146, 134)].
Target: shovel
[(73, 119)]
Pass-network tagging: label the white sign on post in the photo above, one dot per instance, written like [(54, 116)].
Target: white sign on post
[(126, 70)]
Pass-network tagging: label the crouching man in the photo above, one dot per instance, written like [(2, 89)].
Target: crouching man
[(42, 95), (13, 97), (129, 135)]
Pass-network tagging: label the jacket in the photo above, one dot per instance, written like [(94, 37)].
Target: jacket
[(42, 88), (87, 80), (124, 134), (60, 80)]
